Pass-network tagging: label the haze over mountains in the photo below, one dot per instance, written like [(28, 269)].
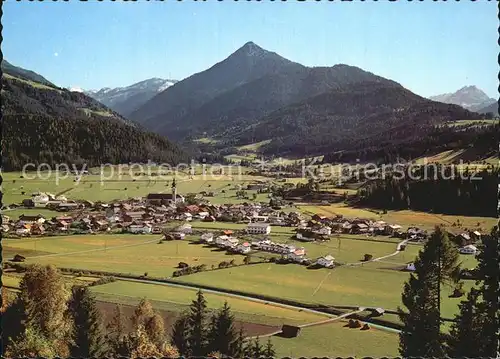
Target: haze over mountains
[(126, 100), (469, 97)]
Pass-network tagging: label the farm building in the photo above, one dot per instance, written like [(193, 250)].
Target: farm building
[(410, 267), (289, 331), (140, 229), (469, 249), (326, 261), (207, 237), (259, 228)]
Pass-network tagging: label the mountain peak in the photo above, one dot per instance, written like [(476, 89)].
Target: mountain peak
[(469, 97), (251, 48)]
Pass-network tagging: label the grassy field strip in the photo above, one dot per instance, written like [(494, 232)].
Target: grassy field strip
[(94, 250), (398, 250), (244, 297), (174, 299), (249, 298)]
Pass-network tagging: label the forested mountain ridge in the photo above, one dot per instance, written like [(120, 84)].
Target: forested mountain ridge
[(8, 68), (359, 115), (249, 103), (43, 123), (22, 96)]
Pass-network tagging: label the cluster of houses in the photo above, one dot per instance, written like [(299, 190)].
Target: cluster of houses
[(287, 252), (321, 227), (27, 225), (51, 201)]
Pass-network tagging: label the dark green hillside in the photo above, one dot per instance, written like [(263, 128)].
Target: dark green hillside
[(42, 123), (8, 68), (359, 115)]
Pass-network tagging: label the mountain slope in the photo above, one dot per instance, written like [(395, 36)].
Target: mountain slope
[(249, 84), (235, 109), (45, 124), (248, 63), (126, 100), (493, 108), (24, 74), (356, 115), (469, 97)]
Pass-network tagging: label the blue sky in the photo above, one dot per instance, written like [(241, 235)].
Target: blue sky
[(429, 47)]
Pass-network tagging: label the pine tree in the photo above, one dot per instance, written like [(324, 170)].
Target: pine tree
[(489, 288), (239, 345), (179, 336), (436, 264), (254, 349), (475, 332), (222, 334), (88, 339), (269, 351), (465, 334), (197, 323)]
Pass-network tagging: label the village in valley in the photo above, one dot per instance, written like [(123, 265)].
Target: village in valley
[(249, 187), (249, 230), (303, 251)]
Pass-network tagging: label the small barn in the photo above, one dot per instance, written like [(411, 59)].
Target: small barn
[(289, 331)]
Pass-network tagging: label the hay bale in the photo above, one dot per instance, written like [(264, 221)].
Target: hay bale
[(356, 324)]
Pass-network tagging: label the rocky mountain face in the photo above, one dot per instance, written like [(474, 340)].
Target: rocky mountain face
[(126, 100), (468, 97)]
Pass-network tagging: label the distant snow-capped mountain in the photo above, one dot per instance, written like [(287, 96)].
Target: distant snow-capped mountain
[(469, 97), (126, 100)]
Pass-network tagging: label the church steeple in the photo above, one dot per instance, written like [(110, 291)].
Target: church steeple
[(174, 191)]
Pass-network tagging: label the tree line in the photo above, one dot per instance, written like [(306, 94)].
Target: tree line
[(41, 139), (474, 332), (49, 319), (469, 194)]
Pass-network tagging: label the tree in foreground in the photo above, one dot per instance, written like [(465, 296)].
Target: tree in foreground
[(465, 334), (197, 326), (44, 299), (223, 337), (254, 349), (140, 345), (31, 344), (115, 335), (88, 339), (475, 331), (436, 263), (180, 334), (269, 351)]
